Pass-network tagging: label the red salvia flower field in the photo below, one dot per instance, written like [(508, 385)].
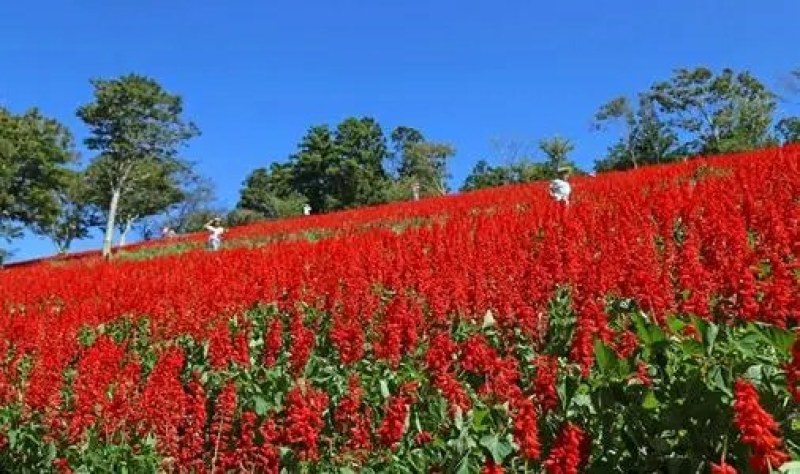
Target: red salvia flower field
[(647, 327)]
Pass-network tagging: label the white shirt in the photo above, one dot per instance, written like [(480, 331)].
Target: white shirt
[(560, 190), (306, 209), (216, 232)]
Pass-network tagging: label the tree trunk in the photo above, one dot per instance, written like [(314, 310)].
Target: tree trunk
[(112, 215), (124, 235)]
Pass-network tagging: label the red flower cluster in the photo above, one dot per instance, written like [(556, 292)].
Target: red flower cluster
[(303, 420), (758, 429), (722, 468), (569, 451), (544, 385), (395, 419)]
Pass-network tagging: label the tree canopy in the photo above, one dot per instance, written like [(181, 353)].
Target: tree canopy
[(137, 129), (35, 152)]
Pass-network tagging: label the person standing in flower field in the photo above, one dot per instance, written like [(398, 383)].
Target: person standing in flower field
[(214, 226), (560, 188), (306, 209)]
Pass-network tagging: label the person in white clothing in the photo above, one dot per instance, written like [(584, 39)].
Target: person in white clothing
[(306, 209), (214, 226), (560, 188)]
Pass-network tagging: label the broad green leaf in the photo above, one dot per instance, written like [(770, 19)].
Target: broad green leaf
[(605, 357), (463, 465), (478, 416), (384, 389), (781, 339), (755, 373), (691, 347), (499, 449)]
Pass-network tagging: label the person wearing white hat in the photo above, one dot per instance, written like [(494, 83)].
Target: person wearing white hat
[(215, 229), (560, 188)]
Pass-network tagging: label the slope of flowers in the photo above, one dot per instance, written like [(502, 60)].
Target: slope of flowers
[(646, 327)]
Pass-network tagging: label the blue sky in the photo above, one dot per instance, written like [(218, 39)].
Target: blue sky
[(256, 74)]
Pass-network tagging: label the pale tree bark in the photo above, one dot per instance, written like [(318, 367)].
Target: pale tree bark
[(123, 237), (112, 215)]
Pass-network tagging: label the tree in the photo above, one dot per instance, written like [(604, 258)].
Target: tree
[(645, 138), (557, 150), (315, 155), (151, 187), (425, 163), (420, 163), (518, 166), (342, 169), (136, 126), (197, 197), (483, 175), (719, 113), (788, 128), (34, 154), (402, 137), (357, 177), (77, 215), (270, 193)]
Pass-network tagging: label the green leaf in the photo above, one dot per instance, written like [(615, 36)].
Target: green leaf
[(260, 405), (650, 401), (675, 324), (499, 449), (459, 419), (717, 380), (710, 337), (781, 339), (605, 357), (791, 467), (463, 465), (691, 347), (384, 389), (478, 416), (755, 373)]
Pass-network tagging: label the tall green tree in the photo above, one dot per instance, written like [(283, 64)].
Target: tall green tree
[(645, 138), (358, 177), (134, 124), (342, 169), (35, 152), (402, 138), (717, 112), (315, 155)]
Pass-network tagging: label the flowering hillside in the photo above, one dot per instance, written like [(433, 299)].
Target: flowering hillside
[(647, 327)]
